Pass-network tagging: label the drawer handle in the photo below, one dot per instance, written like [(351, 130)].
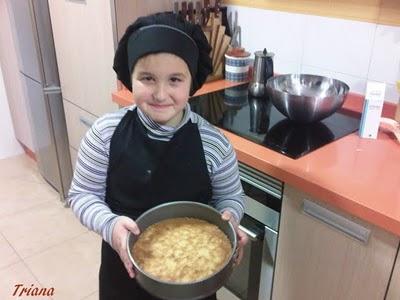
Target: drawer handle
[(252, 236), (85, 122), (337, 221)]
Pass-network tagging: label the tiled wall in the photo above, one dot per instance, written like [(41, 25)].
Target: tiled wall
[(352, 51)]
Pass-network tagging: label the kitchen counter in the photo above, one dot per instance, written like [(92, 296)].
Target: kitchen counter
[(359, 176)]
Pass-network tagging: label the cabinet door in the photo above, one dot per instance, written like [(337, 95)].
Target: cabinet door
[(318, 261), (84, 42), (74, 157), (78, 123), (128, 11), (394, 287), (12, 79)]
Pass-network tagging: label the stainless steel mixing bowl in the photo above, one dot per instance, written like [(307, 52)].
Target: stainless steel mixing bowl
[(306, 98), (192, 290)]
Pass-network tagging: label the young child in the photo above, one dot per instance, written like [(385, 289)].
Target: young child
[(154, 151)]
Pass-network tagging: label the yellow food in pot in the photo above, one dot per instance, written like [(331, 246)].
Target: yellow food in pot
[(182, 250)]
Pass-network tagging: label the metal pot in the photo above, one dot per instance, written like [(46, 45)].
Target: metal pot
[(179, 291), (263, 70), (306, 98)]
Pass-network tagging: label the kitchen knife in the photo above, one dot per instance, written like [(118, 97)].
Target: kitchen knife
[(207, 8), (197, 17), (217, 8), (191, 12), (184, 10), (236, 34), (176, 7)]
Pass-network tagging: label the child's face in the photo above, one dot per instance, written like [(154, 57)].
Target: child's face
[(161, 85)]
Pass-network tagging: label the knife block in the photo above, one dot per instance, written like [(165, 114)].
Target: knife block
[(215, 28), (218, 35)]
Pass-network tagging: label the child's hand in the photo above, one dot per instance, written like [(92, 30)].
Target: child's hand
[(241, 236), (119, 236)]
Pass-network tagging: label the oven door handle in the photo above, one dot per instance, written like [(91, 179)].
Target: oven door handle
[(252, 235)]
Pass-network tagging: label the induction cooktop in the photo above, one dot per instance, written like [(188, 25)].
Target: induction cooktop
[(257, 120)]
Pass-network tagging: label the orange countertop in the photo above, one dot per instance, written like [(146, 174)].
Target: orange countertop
[(359, 176)]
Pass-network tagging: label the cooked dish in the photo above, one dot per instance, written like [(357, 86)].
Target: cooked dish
[(182, 250)]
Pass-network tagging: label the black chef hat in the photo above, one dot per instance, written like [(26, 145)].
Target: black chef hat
[(164, 32)]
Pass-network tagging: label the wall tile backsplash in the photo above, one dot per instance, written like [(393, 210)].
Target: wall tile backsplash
[(351, 51), (385, 59), (330, 44), (357, 84), (270, 31)]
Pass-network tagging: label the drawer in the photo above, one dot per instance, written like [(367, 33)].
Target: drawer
[(74, 156), (78, 123)]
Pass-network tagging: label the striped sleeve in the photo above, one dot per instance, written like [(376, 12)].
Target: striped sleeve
[(227, 191), (87, 193)]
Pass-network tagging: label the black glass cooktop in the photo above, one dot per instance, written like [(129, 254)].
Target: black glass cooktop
[(234, 110)]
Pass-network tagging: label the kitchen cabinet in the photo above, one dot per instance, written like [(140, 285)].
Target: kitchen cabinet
[(84, 42), (12, 78), (74, 156), (128, 11), (319, 261), (78, 122), (85, 36), (394, 287)]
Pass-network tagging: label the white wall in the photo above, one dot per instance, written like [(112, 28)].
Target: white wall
[(351, 51), (9, 146)]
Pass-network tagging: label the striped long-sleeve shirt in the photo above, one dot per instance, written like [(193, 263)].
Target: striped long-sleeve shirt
[(88, 187)]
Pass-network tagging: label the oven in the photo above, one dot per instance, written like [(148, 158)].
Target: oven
[(253, 278)]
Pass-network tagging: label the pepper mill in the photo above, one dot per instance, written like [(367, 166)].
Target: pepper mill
[(262, 70)]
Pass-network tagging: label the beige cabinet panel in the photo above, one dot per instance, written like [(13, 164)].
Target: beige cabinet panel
[(12, 78), (78, 122), (74, 157), (128, 11), (374, 11), (84, 42), (394, 288), (318, 261)]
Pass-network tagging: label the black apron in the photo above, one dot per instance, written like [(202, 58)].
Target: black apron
[(143, 173)]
